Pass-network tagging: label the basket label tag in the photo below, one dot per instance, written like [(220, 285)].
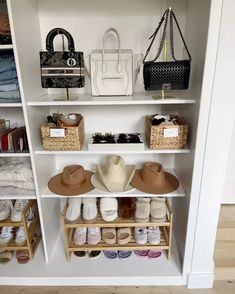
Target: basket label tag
[(57, 133), (171, 132)]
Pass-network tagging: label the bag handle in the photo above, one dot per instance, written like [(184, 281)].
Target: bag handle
[(115, 32), (59, 31), (167, 13)]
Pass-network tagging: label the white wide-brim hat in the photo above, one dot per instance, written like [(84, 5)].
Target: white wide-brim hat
[(114, 175)]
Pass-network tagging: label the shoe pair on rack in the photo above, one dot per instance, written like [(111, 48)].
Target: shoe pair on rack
[(151, 254), (89, 211), (7, 235), (113, 254), (112, 236), (155, 207), (150, 234), (7, 209), (82, 235), (91, 254)]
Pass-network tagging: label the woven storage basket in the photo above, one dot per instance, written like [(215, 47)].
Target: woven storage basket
[(72, 141), (155, 134)]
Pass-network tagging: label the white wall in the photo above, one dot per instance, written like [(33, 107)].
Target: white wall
[(224, 105)]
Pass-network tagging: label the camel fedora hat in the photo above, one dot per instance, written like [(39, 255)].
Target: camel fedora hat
[(114, 176), (154, 180), (74, 180)]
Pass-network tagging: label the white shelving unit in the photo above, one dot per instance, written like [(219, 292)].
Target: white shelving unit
[(87, 21)]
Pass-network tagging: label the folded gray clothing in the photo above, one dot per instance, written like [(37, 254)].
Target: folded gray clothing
[(9, 87), (10, 95)]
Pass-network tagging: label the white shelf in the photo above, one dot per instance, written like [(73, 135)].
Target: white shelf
[(135, 99), (15, 193), (180, 192), (6, 47), (84, 151), (101, 271), (10, 105), (14, 154)]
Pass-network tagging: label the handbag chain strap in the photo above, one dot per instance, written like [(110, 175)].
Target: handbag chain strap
[(164, 33), (164, 17)]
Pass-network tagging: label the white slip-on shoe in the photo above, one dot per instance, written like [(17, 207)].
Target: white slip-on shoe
[(94, 235), (142, 210), (141, 235), (6, 207), (108, 209), (6, 235), (79, 236), (154, 235), (158, 209), (89, 212), (16, 214), (73, 212)]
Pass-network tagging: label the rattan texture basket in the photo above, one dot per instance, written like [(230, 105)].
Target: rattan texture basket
[(155, 134), (72, 141)]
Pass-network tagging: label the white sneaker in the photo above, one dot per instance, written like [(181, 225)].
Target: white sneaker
[(16, 215), (73, 211), (20, 235), (79, 236), (141, 235), (154, 235), (6, 235), (6, 207)]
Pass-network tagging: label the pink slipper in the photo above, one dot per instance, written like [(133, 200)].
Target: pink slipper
[(93, 236), (154, 254), (141, 253)]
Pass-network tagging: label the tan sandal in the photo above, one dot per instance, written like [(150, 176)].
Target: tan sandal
[(6, 256), (109, 236), (123, 236)]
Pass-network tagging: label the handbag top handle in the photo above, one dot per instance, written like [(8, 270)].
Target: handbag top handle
[(115, 32), (59, 31), (165, 17)]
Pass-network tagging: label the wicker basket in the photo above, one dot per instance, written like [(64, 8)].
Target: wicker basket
[(155, 134), (72, 141)]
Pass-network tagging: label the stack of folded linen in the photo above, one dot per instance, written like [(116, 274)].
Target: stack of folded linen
[(16, 173), (9, 89), (5, 33)]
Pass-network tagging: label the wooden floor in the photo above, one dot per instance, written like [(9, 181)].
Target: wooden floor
[(224, 261), (224, 255), (220, 287)]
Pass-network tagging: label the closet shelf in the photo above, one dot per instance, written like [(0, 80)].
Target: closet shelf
[(180, 192), (88, 100), (10, 105), (14, 154), (6, 47), (84, 151), (15, 193)]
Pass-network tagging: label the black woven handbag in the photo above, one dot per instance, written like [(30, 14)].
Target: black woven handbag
[(169, 75)]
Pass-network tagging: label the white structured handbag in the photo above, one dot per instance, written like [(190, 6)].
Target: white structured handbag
[(111, 69)]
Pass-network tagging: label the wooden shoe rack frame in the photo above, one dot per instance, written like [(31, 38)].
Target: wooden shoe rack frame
[(31, 20), (32, 233), (165, 227)]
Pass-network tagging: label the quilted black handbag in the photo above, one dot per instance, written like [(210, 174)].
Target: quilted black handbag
[(168, 75), (61, 69)]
